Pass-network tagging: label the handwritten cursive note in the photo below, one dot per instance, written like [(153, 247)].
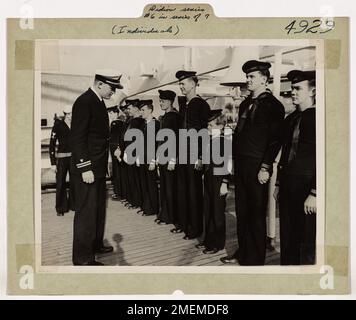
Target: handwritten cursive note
[(169, 12), (157, 13), (120, 29)]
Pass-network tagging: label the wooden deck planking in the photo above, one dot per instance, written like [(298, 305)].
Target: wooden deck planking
[(137, 240)]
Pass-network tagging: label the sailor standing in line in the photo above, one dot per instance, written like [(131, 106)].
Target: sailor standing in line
[(296, 180), (194, 112), (148, 167), (116, 127), (168, 173), (89, 140), (119, 154), (135, 191), (60, 162), (215, 186), (260, 118)]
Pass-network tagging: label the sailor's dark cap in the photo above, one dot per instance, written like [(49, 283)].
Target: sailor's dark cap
[(130, 102), (296, 76), (148, 102), (167, 95), (183, 74), (254, 65)]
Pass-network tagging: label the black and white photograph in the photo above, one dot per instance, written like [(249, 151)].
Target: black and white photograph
[(184, 153)]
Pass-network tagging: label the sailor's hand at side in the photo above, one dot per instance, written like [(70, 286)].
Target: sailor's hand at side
[(88, 176), (263, 176), (198, 165), (310, 205)]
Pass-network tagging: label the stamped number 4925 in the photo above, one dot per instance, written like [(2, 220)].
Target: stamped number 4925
[(317, 26)]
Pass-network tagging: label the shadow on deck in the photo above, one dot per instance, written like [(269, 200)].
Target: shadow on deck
[(137, 240)]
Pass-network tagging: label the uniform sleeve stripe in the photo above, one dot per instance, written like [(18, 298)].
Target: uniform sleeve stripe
[(84, 164)]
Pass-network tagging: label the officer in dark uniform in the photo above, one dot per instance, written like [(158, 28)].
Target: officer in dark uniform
[(296, 180), (134, 195), (89, 140), (168, 173), (260, 119), (60, 162), (194, 112), (116, 127), (148, 167)]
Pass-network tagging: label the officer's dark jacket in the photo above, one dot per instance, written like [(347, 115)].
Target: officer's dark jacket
[(89, 137), (60, 133), (304, 161), (116, 129), (258, 127)]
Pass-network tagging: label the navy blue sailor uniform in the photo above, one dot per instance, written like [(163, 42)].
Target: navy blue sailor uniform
[(296, 179), (214, 203), (260, 120), (168, 179), (116, 128), (123, 165), (194, 115), (62, 159), (149, 185), (135, 194), (89, 141)]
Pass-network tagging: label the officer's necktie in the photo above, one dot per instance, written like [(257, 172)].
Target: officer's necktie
[(295, 137)]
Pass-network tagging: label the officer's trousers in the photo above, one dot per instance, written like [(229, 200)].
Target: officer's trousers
[(89, 219)]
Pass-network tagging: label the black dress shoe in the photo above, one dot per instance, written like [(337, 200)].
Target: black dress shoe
[(229, 260), (161, 222), (104, 249), (176, 230), (89, 263), (269, 245), (188, 237), (200, 246), (210, 251)]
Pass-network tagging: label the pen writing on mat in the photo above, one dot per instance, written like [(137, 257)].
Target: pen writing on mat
[(162, 12), (316, 26), (116, 30)]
